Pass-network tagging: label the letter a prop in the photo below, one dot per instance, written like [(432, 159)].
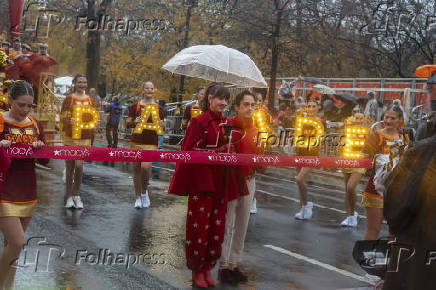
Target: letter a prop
[(153, 111)]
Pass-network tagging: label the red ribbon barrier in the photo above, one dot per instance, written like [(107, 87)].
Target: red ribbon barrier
[(194, 157)]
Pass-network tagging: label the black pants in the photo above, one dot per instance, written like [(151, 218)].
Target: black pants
[(112, 135)]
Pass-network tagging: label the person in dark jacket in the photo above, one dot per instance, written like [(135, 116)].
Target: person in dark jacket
[(115, 110), (409, 209)]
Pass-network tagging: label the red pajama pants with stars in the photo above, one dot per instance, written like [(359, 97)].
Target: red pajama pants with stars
[(205, 228)]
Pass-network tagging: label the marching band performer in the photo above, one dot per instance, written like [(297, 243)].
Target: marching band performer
[(146, 117), (18, 200), (76, 134), (188, 111), (352, 176), (380, 142), (208, 187), (308, 149)]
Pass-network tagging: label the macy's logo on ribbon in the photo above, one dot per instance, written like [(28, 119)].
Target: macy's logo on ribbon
[(126, 154), (223, 158), (265, 159), (21, 151), (344, 162), (176, 156), (82, 153), (308, 161)]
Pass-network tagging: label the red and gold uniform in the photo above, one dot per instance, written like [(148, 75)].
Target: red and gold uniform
[(148, 139), (67, 113), (209, 189), (19, 189), (3, 101), (376, 143)]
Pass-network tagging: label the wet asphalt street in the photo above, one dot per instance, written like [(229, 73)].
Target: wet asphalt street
[(73, 249)]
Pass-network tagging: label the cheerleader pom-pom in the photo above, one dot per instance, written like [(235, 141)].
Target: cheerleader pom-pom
[(4, 59)]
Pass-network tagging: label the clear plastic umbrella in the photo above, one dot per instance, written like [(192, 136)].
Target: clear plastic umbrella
[(216, 63)]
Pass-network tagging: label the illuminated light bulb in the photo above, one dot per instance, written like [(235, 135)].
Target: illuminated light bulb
[(354, 130), (347, 149), (357, 155), (358, 130), (348, 130)]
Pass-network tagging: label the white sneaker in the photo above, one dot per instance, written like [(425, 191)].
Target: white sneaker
[(372, 278), (305, 212), (253, 209), (138, 203), (64, 175), (352, 221), (346, 222), (78, 201), (70, 203), (145, 199)]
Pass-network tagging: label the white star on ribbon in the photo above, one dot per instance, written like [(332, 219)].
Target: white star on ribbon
[(188, 242), (162, 156), (210, 157), (212, 252), (201, 208), (195, 253), (195, 198), (190, 212), (57, 152), (218, 222), (215, 211), (111, 154), (215, 238), (254, 159), (199, 241), (208, 215), (195, 225), (207, 226)]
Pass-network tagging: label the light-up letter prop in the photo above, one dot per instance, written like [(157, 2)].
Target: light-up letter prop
[(308, 129), (85, 118), (195, 111), (262, 121), (354, 138), (153, 111)]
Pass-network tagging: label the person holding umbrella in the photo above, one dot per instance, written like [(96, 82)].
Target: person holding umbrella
[(208, 187)]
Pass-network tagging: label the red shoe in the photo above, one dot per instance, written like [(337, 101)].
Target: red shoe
[(198, 280), (209, 279)]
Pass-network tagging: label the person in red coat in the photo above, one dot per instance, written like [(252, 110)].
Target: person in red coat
[(208, 187), (238, 210)]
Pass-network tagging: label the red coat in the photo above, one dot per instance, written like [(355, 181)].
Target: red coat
[(205, 133), (245, 138)]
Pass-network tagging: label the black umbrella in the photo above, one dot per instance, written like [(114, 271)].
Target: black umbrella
[(346, 97)]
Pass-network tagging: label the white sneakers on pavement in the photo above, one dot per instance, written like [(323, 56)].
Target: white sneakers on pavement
[(305, 212), (70, 203), (74, 202), (138, 203), (78, 201), (145, 199), (350, 221), (253, 209)]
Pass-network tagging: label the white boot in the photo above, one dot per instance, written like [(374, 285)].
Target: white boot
[(253, 206), (305, 212)]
